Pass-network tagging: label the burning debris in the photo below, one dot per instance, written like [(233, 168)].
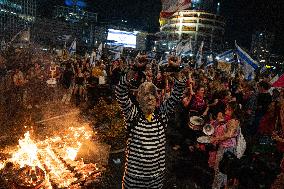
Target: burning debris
[(50, 163)]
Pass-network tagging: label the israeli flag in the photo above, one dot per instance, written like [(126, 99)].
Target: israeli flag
[(199, 56), (64, 37), (249, 65), (184, 48), (187, 48), (72, 48), (210, 61), (118, 51), (99, 52), (246, 58), (179, 47), (227, 56)]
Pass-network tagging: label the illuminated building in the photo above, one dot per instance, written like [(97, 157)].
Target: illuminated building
[(200, 24), (261, 46), (67, 23), (81, 22), (197, 25), (15, 15), (277, 61), (74, 12)]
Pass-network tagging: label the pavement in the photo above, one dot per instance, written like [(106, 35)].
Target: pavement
[(181, 172)]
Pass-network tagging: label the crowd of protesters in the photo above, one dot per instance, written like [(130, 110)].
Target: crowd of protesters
[(229, 103)]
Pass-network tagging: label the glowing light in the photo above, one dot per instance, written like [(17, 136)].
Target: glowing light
[(75, 3), (2, 165), (27, 153), (50, 154), (71, 153)]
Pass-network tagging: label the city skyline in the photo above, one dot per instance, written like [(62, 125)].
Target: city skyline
[(243, 17)]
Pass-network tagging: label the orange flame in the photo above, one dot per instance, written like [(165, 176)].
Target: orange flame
[(51, 154)]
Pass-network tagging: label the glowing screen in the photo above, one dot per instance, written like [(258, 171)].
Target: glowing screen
[(124, 38)]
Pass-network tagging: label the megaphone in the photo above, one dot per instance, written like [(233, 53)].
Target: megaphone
[(208, 129)]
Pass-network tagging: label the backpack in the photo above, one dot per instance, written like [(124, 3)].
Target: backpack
[(241, 145)]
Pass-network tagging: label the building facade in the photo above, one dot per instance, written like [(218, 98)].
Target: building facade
[(74, 14), (80, 21), (16, 15), (66, 24), (196, 25)]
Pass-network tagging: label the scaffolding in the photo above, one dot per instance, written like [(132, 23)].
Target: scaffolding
[(15, 15)]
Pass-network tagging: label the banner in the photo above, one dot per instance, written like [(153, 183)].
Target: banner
[(224, 66), (169, 7)]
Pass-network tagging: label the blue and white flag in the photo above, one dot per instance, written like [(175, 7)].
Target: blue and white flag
[(99, 52), (187, 48), (179, 47), (246, 58), (184, 48), (199, 56), (93, 58), (163, 60), (210, 61), (249, 65), (227, 56), (72, 48), (64, 37), (151, 55), (118, 51)]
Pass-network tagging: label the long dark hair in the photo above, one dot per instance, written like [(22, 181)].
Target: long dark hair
[(237, 112)]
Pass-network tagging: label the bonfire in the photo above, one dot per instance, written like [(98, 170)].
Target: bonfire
[(51, 163)]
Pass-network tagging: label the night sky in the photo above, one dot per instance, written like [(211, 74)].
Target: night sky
[(243, 17)]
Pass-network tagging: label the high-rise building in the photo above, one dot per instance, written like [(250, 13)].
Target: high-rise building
[(261, 46), (74, 13), (15, 15), (66, 23), (197, 24)]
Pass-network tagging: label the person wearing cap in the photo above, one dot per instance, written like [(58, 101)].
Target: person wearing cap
[(146, 124)]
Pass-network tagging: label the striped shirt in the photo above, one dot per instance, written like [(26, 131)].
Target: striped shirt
[(145, 152)]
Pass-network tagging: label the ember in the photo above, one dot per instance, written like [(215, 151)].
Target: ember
[(50, 163)]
